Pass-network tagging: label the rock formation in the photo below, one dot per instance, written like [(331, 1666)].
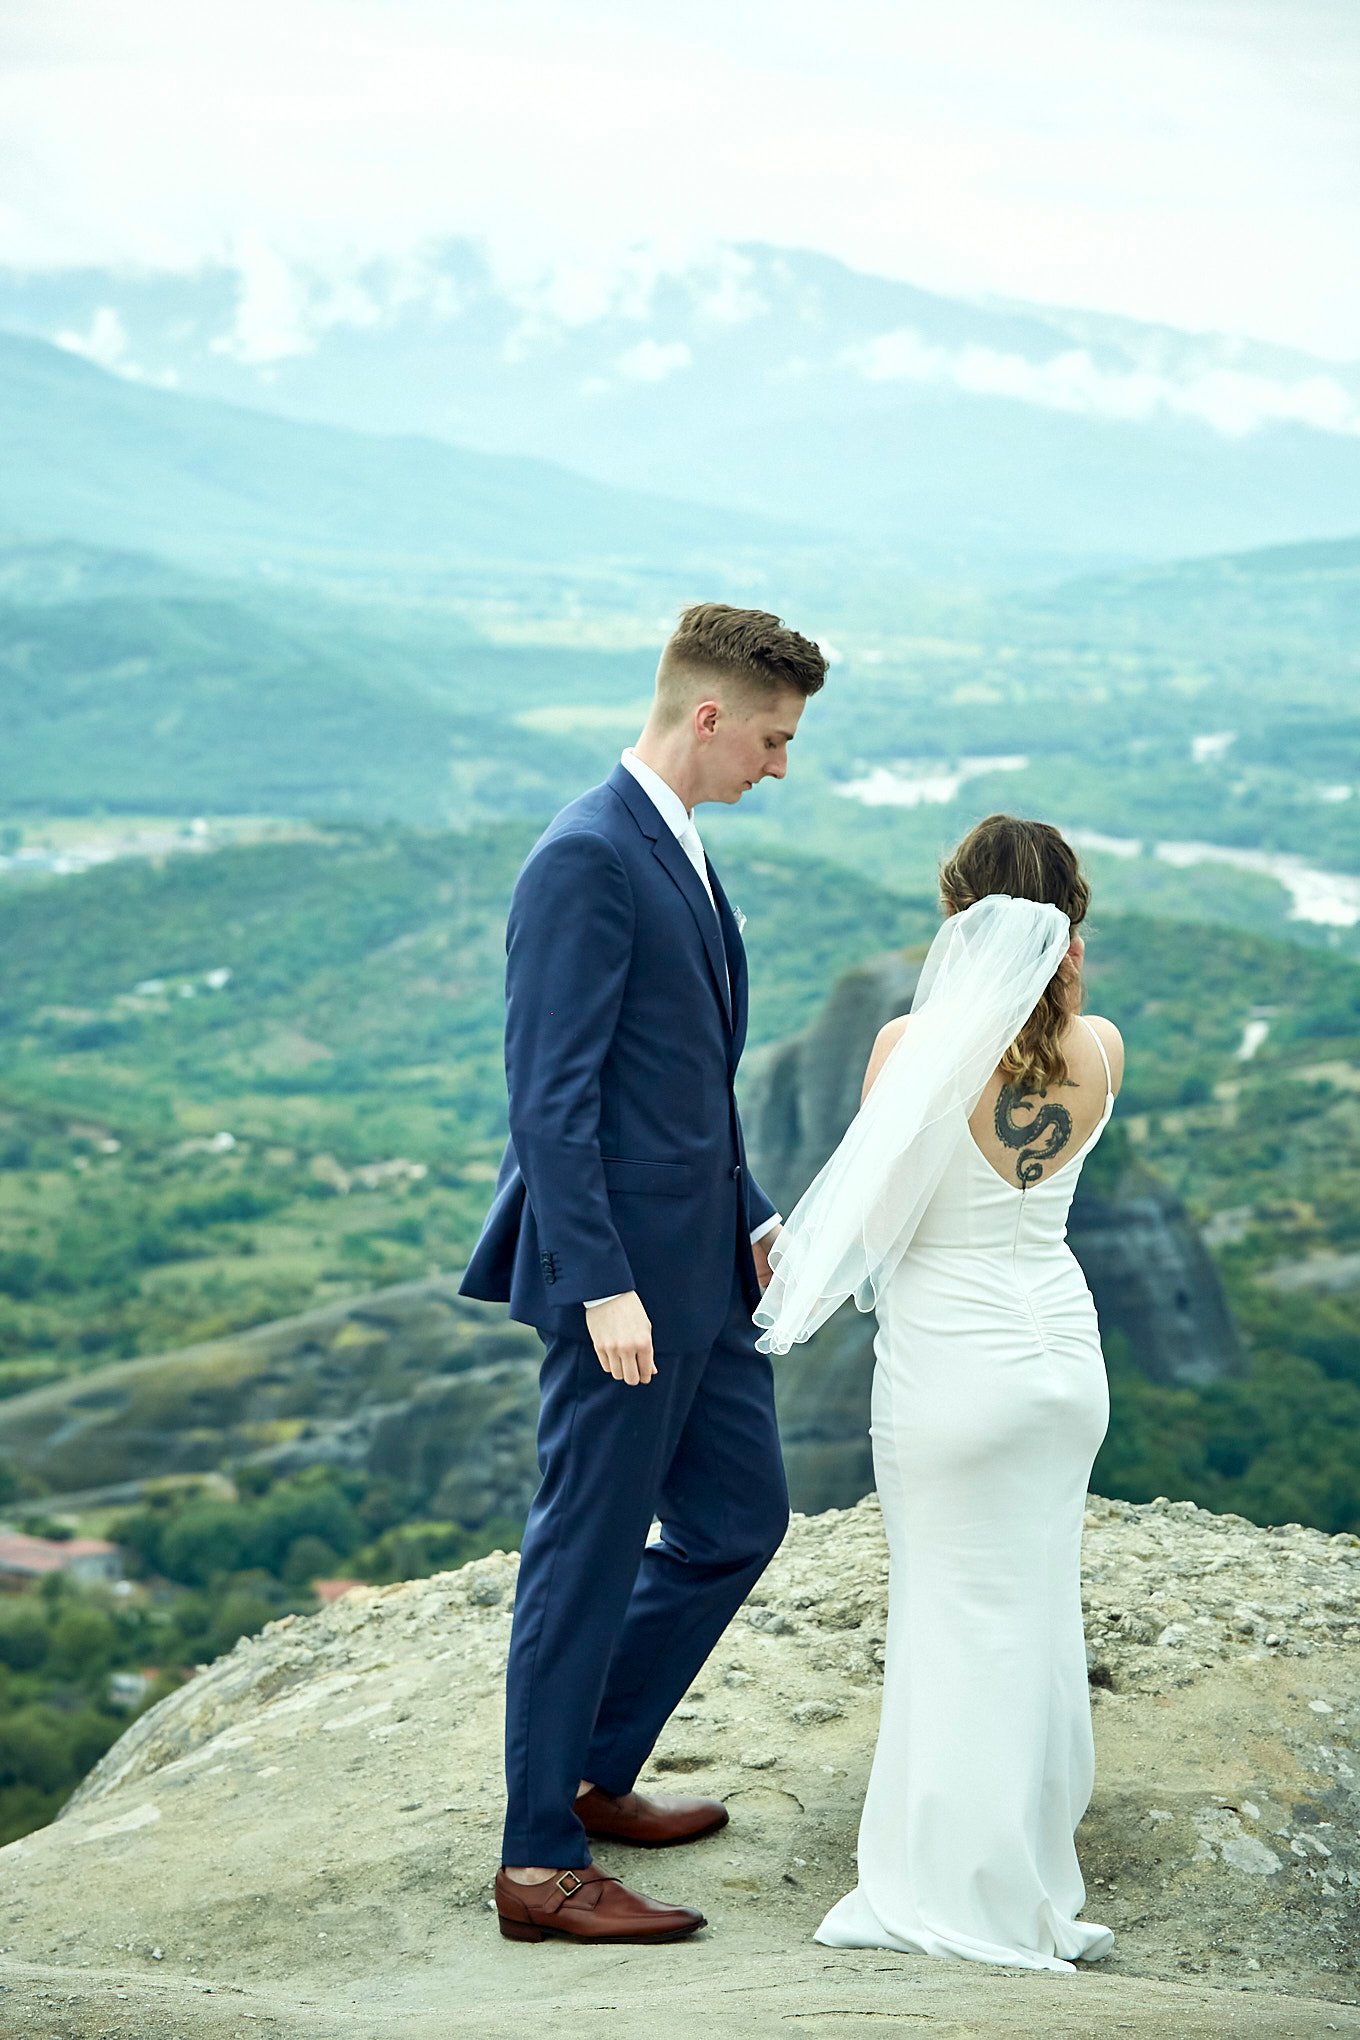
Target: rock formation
[(1154, 1284), (413, 1381), (302, 1839)]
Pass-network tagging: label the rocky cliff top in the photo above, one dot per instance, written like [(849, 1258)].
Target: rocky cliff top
[(305, 1834)]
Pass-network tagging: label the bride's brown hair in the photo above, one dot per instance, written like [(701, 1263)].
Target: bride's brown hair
[(1029, 861)]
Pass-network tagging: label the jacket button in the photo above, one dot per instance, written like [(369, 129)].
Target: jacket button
[(736, 1172)]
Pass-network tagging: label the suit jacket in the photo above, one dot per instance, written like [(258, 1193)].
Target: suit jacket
[(626, 1167)]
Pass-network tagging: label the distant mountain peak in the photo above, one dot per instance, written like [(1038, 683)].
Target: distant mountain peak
[(980, 436)]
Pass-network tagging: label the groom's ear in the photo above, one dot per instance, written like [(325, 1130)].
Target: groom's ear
[(706, 718)]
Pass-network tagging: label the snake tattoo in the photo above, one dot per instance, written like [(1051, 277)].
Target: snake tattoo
[(1044, 1134)]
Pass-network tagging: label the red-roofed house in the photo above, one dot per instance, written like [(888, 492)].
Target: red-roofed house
[(26, 1559), (332, 1590)]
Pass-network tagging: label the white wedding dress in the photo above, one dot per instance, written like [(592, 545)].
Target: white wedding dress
[(989, 1405)]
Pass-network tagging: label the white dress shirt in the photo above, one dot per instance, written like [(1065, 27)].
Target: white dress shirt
[(680, 821)]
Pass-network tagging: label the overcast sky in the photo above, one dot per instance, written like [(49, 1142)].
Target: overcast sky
[(1192, 161)]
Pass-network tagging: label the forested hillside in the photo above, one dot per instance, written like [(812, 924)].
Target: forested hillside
[(241, 1084)]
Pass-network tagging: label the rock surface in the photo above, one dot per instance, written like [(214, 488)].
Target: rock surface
[(301, 1840)]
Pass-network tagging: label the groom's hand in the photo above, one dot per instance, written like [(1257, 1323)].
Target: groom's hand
[(621, 1333), (761, 1250)]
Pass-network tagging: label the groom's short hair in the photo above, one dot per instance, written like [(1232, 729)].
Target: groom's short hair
[(750, 646)]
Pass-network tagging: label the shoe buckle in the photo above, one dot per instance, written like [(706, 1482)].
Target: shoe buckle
[(568, 1882)]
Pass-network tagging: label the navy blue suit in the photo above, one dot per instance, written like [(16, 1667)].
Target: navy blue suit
[(625, 1019)]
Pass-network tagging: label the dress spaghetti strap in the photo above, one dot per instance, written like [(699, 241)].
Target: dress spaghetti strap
[(1095, 1036)]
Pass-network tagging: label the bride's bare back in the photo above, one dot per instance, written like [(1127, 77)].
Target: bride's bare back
[(1026, 1136)]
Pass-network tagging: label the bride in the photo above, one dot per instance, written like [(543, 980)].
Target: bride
[(944, 1209)]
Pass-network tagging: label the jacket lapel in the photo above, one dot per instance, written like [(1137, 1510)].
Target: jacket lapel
[(736, 965), (668, 853)]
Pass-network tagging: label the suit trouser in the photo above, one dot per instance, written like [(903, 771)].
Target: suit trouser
[(609, 1631)]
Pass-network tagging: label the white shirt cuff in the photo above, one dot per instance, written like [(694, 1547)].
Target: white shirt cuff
[(768, 1226), (595, 1301)]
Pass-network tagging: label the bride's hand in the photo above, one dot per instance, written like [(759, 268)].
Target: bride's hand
[(761, 1250)]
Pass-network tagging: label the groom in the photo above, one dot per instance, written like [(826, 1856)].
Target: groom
[(627, 1229)]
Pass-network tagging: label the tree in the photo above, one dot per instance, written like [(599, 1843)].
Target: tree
[(243, 1612), (83, 1642), (204, 1539), (309, 1558), (33, 1750), (23, 1636)]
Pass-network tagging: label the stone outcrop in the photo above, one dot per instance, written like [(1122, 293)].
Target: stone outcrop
[(414, 1381), (1154, 1285), (346, 1770), (1152, 1278)]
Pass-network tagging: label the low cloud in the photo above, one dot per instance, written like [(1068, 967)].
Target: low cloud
[(1232, 401), (281, 309), (574, 291), (106, 343), (724, 293), (651, 361)]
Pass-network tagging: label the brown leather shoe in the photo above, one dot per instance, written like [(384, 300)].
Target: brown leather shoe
[(585, 1905), (648, 1823)]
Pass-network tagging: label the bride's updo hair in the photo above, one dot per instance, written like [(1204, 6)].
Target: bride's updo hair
[(1028, 861)]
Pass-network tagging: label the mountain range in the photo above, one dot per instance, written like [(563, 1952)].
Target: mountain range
[(97, 457), (967, 437)]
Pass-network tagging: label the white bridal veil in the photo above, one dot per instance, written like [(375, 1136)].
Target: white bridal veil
[(984, 975)]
